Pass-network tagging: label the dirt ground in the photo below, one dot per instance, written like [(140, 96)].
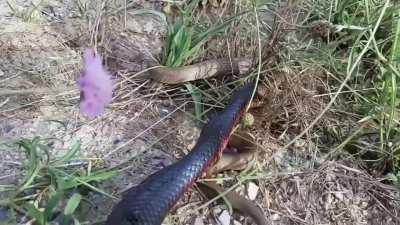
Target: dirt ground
[(140, 133)]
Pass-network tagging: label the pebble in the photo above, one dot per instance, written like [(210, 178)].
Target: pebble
[(339, 196), (198, 221), (216, 210), (235, 222), (252, 191), (275, 217), (224, 218), (163, 111)]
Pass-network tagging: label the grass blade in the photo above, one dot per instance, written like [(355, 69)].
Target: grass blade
[(36, 214), (34, 167), (72, 204), (196, 96), (51, 205), (70, 154)]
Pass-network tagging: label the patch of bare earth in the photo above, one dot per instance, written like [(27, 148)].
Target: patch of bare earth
[(39, 63)]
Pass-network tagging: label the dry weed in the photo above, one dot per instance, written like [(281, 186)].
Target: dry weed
[(333, 193)]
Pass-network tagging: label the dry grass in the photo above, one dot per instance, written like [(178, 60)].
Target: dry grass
[(150, 125), (333, 193)]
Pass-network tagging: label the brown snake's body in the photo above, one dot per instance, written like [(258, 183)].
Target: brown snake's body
[(202, 70)]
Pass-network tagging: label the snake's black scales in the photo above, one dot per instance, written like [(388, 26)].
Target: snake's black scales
[(149, 202)]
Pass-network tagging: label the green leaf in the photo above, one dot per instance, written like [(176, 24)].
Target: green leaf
[(396, 42), (34, 213), (196, 96), (76, 222), (186, 46), (51, 205), (34, 165), (178, 37), (66, 219), (219, 28), (67, 181), (72, 204), (71, 153), (390, 82)]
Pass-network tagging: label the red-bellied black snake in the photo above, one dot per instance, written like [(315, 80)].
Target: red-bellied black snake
[(149, 202)]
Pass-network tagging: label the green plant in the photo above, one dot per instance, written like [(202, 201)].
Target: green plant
[(353, 23), (184, 42), (27, 14), (49, 182), (45, 216), (184, 39)]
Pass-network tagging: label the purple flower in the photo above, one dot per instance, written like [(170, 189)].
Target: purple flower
[(95, 85)]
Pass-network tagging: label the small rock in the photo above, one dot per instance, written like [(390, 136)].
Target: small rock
[(339, 196), (262, 91), (279, 157), (224, 218), (198, 221), (252, 191), (241, 190), (275, 217), (8, 128), (163, 111), (364, 205), (217, 210), (235, 222), (299, 143), (244, 66)]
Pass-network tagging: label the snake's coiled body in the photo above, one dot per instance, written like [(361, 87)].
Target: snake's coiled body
[(150, 201)]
